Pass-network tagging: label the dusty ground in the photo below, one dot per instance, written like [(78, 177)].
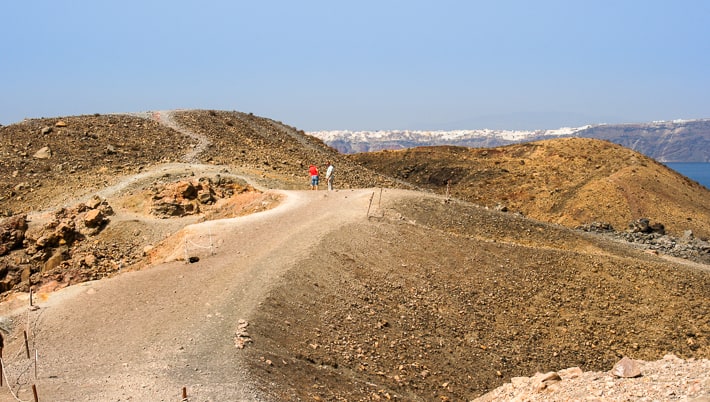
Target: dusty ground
[(358, 294)]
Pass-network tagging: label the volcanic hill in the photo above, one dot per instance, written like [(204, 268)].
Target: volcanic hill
[(181, 251), (568, 181)]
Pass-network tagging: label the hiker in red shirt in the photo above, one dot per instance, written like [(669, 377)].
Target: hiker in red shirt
[(313, 171)]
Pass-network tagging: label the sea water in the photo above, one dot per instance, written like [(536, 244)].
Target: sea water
[(697, 171)]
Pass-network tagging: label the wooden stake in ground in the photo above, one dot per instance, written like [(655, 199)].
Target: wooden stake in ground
[(370, 205), (27, 346)]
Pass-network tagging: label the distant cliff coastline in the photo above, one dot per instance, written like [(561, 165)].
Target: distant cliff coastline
[(664, 141)]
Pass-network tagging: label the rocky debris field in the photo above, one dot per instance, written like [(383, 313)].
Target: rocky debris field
[(81, 243), (447, 301), (654, 239), (668, 379), (30, 252), (46, 162)]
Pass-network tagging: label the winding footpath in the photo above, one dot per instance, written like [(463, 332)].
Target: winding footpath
[(144, 335)]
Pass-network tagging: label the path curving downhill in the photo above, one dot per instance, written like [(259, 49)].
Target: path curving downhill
[(166, 118), (144, 335)]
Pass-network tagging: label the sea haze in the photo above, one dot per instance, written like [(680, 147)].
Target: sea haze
[(697, 171)]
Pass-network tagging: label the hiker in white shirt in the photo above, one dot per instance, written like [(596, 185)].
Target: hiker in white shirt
[(329, 175)]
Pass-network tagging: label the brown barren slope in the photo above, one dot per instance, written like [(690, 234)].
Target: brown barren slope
[(569, 181)]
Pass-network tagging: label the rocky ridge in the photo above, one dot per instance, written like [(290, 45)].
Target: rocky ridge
[(569, 181)]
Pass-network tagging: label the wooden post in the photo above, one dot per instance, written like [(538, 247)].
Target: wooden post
[(35, 364), (2, 364), (368, 207), (27, 346), (184, 393), (30, 297), (34, 392)]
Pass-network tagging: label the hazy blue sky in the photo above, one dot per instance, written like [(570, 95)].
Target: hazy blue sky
[(361, 65)]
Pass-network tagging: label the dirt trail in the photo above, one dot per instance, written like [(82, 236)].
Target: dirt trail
[(144, 335), (165, 117)]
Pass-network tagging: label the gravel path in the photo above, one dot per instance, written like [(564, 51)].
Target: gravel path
[(144, 335), (165, 117)]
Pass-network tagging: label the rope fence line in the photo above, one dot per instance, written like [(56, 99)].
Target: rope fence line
[(21, 368), (7, 381), (379, 205), (194, 245)]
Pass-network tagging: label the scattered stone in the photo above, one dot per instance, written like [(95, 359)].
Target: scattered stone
[(242, 338), (186, 190), (147, 249), (570, 373), (626, 368), (669, 378), (43, 153), (60, 123), (205, 197), (45, 130), (12, 233), (21, 186), (543, 381), (501, 208), (598, 227), (89, 260), (551, 376), (653, 239), (55, 260), (643, 225), (94, 218), (94, 202), (184, 198)]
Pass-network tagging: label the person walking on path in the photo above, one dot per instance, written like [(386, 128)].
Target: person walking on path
[(329, 175), (313, 171)]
